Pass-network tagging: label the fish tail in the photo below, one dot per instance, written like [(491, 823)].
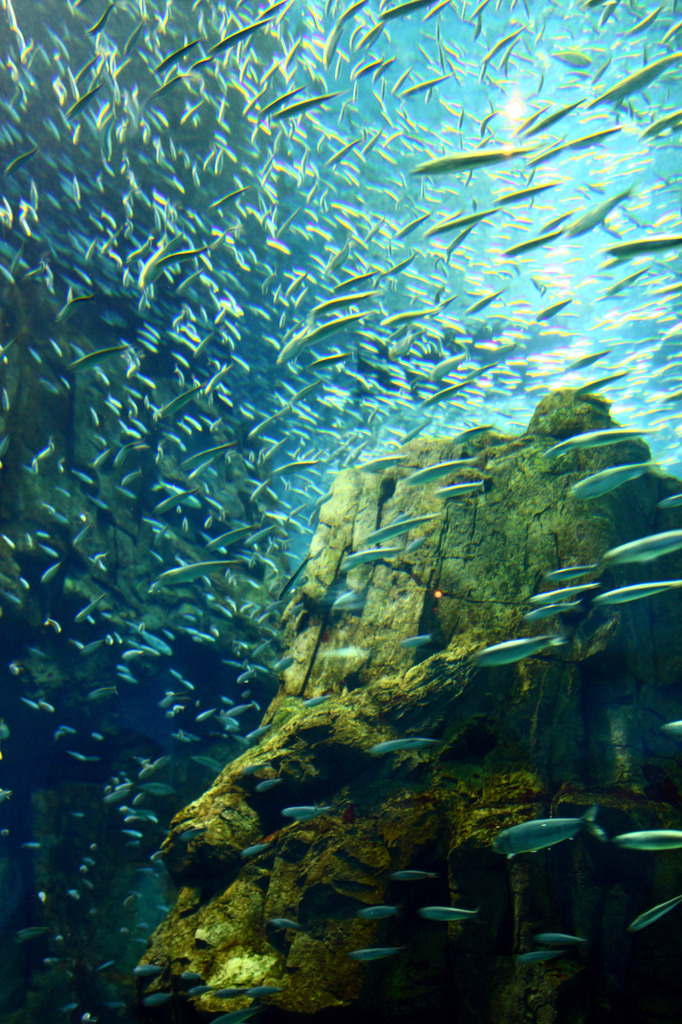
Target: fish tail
[(589, 820)]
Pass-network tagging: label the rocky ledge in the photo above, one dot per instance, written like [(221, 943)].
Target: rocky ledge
[(574, 725)]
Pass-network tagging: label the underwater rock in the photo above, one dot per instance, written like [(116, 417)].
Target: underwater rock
[(573, 725)]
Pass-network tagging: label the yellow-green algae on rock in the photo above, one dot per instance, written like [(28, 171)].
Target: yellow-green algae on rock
[(549, 735)]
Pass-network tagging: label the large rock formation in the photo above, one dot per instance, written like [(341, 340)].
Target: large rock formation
[(550, 735)]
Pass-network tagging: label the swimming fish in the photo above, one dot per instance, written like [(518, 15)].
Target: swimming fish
[(511, 651), (535, 835)]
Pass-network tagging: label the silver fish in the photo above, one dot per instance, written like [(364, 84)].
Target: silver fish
[(538, 834)]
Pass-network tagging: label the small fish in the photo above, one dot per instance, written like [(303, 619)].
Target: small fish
[(156, 998), (531, 243), (351, 601), (261, 990), (646, 549), (188, 573), (416, 641), (672, 728), (594, 439), (649, 916), (305, 813), (608, 479), (549, 611), (658, 839), (379, 465), (411, 875), (409, 743), (435, 472), (251, 851), (637, 81), (569, 572), (294, 109), (76, 107), (535, 835), (564, 594), (538, 956), (235, 1016), (623, 595), (674, 501), (285, 922), (654, 243), (447, 913), (20, 160), (514, 650), (369, 555), (460, 490), (558, 939), (538, 127), (398, 527), (147, 970), (375, 952), (467, 161), (377, 913), (402, 10), (25, 934)]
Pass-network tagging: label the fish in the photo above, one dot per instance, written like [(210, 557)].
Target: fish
[(435, 472), (468, 161), (511, 651), (672, 728), (657, 839), (20, 160), (187, 573), (635, 592), (594, 439), (538, 956), (412, 875), (558, 939), (380, 464), (608, 480), (83, 101), (402, 10), (569, 572), (657, 912), (653, 243), (672, 501), (376, 952), (369, 555), (421, 640), (302, 106), (377, 913), (564, 594), (447, 913), (252, 851), (532, 243), (305, 813), (637, 81), (596, 215), (460, 222), (461, 490), (409, 743), (531, 836), (646, 549), (540, 127)]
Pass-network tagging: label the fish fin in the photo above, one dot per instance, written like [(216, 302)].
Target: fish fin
[(588, 819)]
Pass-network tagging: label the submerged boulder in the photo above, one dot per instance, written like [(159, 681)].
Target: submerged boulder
[(548, 736)]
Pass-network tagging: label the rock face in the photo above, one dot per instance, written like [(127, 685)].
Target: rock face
[(550, 735)]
